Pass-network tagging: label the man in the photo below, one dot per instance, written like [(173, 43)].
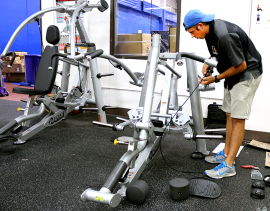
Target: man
[(240, 64)]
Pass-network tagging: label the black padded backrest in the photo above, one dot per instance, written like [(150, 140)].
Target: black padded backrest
[(53, 35), (45, 78)]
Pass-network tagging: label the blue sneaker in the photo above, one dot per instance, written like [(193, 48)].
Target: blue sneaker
[(220, 171), (218, 158)]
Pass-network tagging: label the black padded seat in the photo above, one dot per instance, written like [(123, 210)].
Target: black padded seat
[(45, 77), (28, 91)]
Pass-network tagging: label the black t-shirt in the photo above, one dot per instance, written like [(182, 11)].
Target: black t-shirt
[(231, 46)]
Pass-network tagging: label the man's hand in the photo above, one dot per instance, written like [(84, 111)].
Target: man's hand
[(207, 80), (204, 69)]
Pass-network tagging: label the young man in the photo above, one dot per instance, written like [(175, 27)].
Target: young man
[(240, 64)]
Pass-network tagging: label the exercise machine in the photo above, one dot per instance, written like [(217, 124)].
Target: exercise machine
[(151, 126), (62, 101)]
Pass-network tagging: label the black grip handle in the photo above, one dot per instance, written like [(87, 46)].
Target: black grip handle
[(94, 54), (57, 54), (13, 57)]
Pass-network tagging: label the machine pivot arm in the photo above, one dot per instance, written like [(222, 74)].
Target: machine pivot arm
[(115, 127), (179, 60), (164, 63), (92, 55), (126, 68)]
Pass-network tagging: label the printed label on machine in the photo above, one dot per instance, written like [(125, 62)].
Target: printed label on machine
[(78, 49)]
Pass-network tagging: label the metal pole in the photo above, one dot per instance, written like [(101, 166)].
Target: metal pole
[(97, 90), (196, 106), (150, 84), (65, 76)]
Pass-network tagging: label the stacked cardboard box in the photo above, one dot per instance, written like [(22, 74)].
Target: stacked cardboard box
[(172, 40), (16, 73), (134, 44)]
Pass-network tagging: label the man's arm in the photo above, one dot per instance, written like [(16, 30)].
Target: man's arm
[(231, 45), (228, 73)]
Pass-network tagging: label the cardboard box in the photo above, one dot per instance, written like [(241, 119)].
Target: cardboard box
[(16, 67), (172, 40), (134, 44), (15, 77), (20, 54)]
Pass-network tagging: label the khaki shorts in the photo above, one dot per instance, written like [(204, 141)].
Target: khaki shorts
[(238, 100)]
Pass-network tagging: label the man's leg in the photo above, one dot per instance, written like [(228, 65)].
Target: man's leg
[(228, 133), (236, 139)]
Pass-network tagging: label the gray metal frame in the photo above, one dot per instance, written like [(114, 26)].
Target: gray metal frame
[(71, 100), (146, 141)]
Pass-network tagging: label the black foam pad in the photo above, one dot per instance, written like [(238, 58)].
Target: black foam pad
[(257, 193), (137, 192), (53, 35), (258, 184)]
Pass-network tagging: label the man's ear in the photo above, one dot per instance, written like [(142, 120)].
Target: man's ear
[(200, 26)]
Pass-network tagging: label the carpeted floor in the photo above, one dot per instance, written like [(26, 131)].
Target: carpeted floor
[(51, 170)]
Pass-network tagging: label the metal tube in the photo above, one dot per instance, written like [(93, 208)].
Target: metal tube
[(122, 119), (142, 125), (65, 77), (196, 106), (72, 28), (21, 119), (90, 101), (173, 105), (161, 115), (26, 21), (31, 116), (209, 136), (90, 109), (150, 84), (73, 62), (8, 126), (215, 130), (173, 71), (189, 136), (98, 90), (115, 175), (126, 68), (102, 124)]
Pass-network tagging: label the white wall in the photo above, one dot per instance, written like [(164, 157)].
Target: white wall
[(118, 92)]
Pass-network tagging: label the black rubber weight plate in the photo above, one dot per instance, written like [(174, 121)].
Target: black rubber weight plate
[(204, 188)]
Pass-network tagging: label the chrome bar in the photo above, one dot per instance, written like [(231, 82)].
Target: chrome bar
[(102, 124), (215, 130), (122, 119)]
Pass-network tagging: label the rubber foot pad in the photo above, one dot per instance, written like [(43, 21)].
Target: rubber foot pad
[(257, 193), (204, 188)]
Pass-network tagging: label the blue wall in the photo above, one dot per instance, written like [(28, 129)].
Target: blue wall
[(12, 14), (134, 15)]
